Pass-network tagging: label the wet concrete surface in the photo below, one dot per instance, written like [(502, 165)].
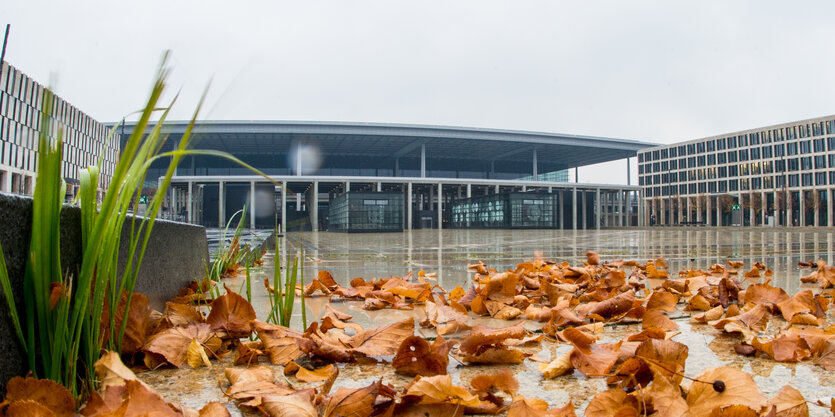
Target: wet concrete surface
[(447, 253)]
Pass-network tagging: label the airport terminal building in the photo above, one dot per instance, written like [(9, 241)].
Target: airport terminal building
[(361, 177), (782, 175)]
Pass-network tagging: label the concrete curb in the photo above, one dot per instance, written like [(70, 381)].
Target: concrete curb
[(177, 253)]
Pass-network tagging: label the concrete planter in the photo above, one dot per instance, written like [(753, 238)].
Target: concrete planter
[(177, 253)]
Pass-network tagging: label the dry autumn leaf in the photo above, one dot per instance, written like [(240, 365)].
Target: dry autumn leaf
[(439, 390), (416, 356), (534, 407), (559, 366), (739, 390), (383, 340), (48, 394), (171, 345), (231, 313)]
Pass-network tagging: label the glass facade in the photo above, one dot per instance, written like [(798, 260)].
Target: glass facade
[(366, 212), (505, 211)]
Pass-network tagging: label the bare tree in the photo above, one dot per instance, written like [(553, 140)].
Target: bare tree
[(757, 202)]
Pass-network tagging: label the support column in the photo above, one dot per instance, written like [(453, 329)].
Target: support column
[(190, 202), (628, 172), (423, 160), (623, 207), (817, 200), (718, 212), (597, 208), (789, 209), (583, 199), (172, 211), (698, 208), (707, 212), (829, 196), (298, 160), (663, 218), (347, 186), (284, 206), (221, 209), (763, 204), (314, 207), (752, 214), (801, 197), (535, 173), (497, 188), (574, 208), (252, 204), (440, 206), (379, 187), (561, 212), (409, 206), (469, 190)]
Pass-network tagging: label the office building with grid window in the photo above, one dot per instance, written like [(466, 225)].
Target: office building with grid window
[(781, 175), (21, 116)]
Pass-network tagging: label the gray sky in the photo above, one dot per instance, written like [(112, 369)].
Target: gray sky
[(659, 71)]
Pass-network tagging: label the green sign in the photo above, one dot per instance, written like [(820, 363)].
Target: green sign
[(735, 207), (143, 199)]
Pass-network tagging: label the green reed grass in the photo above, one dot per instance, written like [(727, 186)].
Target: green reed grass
[(63, 341)]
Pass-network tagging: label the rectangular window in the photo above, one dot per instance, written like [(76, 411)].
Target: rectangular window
[(791, 148), (711, 187), (733, 185), (820, 161), (732, 156), (807, 180), (701, 147), (793, 180), (806, 163), (756, 183), (819, 145), (723, 172), (766, 151), (673, 152), (711, 146), (794, 165), (732, 142), (779, 150), (691, 188), (663, 154), (720, 144), (805, 146), (744, 184), (701, 159), (820, 178), (711, 159), (682, 189), (721, 157), (755, 153), (723, 186), (743, 154)]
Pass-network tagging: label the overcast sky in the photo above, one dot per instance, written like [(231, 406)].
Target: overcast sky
[(659, 71)]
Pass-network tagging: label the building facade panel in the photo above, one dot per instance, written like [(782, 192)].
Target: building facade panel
[(21, 117), (782, 174)]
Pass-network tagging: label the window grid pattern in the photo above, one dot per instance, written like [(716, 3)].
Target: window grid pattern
[(741, 162), (21, 115)]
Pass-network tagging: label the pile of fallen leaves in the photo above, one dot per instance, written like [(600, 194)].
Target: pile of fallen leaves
[(560, 302)]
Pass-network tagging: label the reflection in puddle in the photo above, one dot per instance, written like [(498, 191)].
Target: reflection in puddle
[(448, 252)]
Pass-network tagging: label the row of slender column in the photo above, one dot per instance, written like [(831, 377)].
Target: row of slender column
[(660, 207), (611, 203)]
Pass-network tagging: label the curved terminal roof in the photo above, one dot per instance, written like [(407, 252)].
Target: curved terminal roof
[(448, 148)]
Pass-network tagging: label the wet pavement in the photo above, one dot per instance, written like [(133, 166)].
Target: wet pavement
[(448, 252)]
